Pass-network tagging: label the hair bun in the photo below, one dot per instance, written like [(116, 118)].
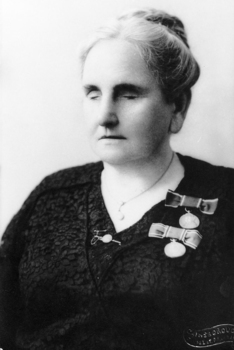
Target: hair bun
[(172, 23)]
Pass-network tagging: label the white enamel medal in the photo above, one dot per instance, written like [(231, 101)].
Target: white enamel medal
[(180, 238), (174, 249), (189, 220)]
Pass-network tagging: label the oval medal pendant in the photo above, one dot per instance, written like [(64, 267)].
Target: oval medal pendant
[(174, 249), (189, 220)]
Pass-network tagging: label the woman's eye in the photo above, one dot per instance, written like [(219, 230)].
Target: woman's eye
[(130, 97), (93, 95)]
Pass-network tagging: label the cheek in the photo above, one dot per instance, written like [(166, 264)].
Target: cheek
[(150, 120), (89, 116), (152, 127), (86, 107), (159, 118)]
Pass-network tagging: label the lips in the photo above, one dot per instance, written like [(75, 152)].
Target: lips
[(112, 137)]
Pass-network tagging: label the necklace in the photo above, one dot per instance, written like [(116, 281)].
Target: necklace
[(121, 203)]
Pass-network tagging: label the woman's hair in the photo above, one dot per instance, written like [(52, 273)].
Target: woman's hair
[(162, 42)]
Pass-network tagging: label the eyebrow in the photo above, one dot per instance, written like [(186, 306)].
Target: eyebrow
[(90, 87), (120, 88), (129, 87)]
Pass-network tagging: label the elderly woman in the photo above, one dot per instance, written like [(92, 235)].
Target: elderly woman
[(136, 251)]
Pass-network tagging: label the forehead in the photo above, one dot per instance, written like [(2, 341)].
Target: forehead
[(116, 61)]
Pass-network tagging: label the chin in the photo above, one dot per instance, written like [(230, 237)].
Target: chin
[(114, 158)]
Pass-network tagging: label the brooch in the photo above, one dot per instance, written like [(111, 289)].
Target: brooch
[(175, 249), (107, 238), (189, 220), (206, 206)]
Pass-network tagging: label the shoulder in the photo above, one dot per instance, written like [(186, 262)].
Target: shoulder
[(67, 178), (217, 181), (78, 175), (58, 181), (205, 168)]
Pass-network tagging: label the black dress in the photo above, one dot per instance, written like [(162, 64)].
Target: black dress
[(61, 292)]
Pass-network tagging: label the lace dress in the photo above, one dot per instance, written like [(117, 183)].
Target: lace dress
[(61, 292)]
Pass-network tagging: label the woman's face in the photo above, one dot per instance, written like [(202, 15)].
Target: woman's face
[(127, 116)]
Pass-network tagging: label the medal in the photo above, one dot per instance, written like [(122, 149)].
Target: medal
[(189, 220), (174, 249)]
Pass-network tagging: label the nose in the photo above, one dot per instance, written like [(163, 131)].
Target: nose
[(107, 115)]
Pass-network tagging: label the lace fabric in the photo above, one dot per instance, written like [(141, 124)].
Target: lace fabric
[(64, 293)]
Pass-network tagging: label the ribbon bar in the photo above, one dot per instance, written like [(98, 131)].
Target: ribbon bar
[(206, 206), (191, 238)]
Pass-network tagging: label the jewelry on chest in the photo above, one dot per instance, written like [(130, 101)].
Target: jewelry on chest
[(106, 238), (187, 235)]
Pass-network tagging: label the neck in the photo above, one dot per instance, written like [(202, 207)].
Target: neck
[(126, 180)]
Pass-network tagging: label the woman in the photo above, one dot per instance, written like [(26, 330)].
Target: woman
[(136, 251)]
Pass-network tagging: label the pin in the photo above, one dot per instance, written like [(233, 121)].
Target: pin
[(189, 220), (174, 249), (105, 239)]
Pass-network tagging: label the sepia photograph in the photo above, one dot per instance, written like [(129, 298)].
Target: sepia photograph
[(117, 175)]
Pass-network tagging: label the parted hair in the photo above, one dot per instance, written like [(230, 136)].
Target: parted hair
[(161, 41)]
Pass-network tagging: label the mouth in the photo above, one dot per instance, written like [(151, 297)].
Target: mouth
[(112, 137)]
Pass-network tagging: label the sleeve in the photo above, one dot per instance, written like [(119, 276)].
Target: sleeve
[(12, 245)]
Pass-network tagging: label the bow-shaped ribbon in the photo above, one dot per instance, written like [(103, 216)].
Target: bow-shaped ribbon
[(206, 206), (191, 238)]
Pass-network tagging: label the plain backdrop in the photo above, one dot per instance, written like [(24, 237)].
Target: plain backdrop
[(42, 128)]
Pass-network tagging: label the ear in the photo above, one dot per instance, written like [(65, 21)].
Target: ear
[(181, 104)]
